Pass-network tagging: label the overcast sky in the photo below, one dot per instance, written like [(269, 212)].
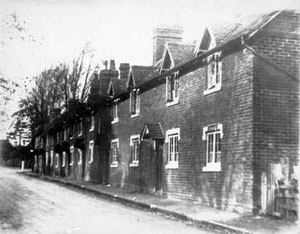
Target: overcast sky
[(115, 29)]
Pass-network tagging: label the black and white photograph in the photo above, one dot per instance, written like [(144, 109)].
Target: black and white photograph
[(140, 116)]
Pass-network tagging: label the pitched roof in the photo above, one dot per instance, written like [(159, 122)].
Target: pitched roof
[(142, 73), (228, 30), (104, 84), (180, 51), (119, 86), (153, 131)]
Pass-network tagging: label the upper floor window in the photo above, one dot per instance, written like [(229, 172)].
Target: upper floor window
[(214, 73), (173, 137), (65, 134), (213, 134), (92, 126), (99, 124), (135, 101), (47, 141), (71, 131), (91, 151), (172, 87), (80, 128), (115, 113), (57, 137), (114, 152), (134, 146)]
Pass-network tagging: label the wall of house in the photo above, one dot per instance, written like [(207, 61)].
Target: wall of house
[(231, 188), (276, 98)]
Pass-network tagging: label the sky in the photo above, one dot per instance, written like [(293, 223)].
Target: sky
[(115, 29)]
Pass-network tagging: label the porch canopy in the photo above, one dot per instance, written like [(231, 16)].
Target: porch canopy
[(152, 131)]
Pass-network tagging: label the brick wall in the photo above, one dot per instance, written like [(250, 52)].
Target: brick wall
[(276, 97), (232, 106)]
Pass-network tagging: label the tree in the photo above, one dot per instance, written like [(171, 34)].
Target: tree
[(54, 87), (6, 150)]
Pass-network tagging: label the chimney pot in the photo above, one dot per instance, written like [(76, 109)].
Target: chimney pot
[(112, 65)]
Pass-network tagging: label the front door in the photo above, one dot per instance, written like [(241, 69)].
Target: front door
[(159, 163)]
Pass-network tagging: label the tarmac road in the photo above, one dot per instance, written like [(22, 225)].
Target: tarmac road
[(30, 206)]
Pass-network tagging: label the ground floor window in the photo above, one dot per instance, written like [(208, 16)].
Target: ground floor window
[(46, 155), (72, 155), (213, 134), (64, 159), (79, 157), (114, 152), (91, 151), (51, 157), (134, 146), (56, 160), (172, 140)]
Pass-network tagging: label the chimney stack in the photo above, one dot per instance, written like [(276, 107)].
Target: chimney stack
[(124, 70), (111, 72), (162, 35), (112, 65)]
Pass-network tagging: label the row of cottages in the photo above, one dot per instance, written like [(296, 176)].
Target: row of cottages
[(216, 121)]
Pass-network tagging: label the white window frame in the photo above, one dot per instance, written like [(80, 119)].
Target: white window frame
[(171, 162), (175, 89), (134, 162), (51, 157), (213, 165), (46, 156), (137, 100), (56, 160), (79, 156), (92, 127), (214, 71), (63, 159), (72, 155), (115, 113), (80, 126), (115, 162), (91, 152)]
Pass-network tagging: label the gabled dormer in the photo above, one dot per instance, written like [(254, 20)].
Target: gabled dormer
[(110, 90), (206, 42), (130, 82), (167, 60)]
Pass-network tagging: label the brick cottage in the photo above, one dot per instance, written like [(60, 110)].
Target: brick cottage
[(215, 121)]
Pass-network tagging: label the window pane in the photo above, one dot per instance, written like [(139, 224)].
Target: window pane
[(210, 147), (176, 148)]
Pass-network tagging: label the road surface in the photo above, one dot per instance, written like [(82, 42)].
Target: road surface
[(28, 205)]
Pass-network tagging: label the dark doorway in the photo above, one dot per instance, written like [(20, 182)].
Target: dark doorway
[(83, 158), (159, 164)]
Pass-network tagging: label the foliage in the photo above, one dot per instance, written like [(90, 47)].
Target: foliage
[(53, 89)]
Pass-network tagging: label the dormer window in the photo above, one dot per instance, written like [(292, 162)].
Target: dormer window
[(111, 93), (167, 61), (135, 102), (172, 87), (80, 128), (71, 131), (214, 73)]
